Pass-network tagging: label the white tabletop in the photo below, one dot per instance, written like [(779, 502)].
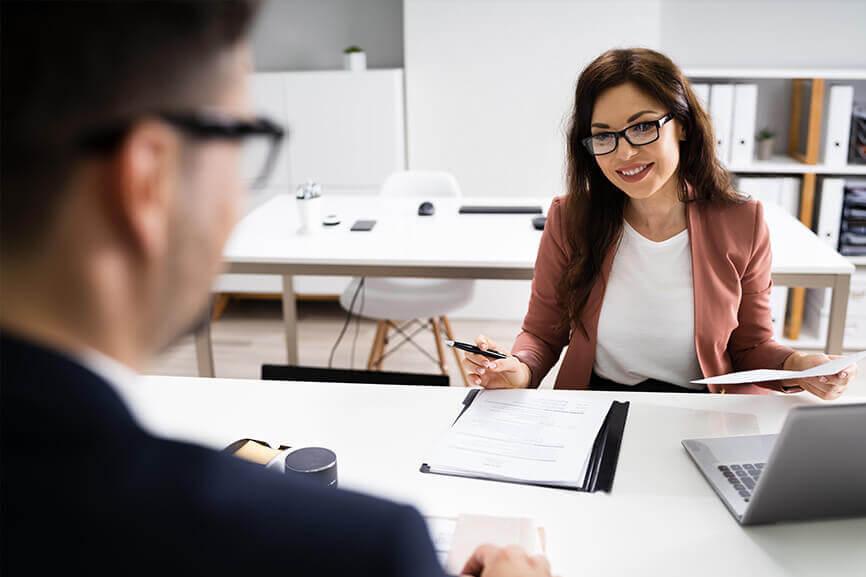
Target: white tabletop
[(400, 238), (798, 250), (661, 518), (477, 243)]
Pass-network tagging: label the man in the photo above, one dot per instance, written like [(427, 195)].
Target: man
[(122, 127)]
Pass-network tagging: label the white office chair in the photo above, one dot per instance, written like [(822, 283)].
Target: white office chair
[(408, 306)]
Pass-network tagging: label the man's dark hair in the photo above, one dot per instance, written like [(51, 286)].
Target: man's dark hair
[(72, 67)]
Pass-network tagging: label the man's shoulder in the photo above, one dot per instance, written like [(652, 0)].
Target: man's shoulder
[(71, 454)]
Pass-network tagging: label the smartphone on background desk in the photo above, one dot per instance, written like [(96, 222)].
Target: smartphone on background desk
[(363, 225)]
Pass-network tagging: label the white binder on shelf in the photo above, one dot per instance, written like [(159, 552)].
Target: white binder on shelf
[(830, 210), (789, 195), (781, 191), (764, 189), (722, 112), (838, 130), (743, 133), (702, 91), (778, 308)]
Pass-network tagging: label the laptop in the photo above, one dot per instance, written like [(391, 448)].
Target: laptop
[(814, 468)]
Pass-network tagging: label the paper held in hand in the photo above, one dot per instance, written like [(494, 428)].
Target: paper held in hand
[(762, 375)]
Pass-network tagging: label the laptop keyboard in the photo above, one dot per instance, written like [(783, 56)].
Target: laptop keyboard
[(743, 477)]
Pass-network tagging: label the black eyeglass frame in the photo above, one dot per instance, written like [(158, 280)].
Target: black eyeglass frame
[(587, 142), (203, 126)]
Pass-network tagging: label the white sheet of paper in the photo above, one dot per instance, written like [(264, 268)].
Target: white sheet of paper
[(455, 539), (762, 375), (525, 435)]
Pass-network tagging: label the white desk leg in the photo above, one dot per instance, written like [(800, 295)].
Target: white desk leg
[(838, 310), (204, 349), (290, 318)]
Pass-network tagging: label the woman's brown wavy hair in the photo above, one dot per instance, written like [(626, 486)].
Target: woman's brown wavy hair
[(594, 206)]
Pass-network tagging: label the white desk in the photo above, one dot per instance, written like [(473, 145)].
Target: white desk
[(450, 245), (662, 518)]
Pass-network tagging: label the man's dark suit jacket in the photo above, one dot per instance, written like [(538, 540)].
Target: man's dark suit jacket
[(86, 490)]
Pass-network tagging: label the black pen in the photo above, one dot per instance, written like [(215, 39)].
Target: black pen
[(473, 349)]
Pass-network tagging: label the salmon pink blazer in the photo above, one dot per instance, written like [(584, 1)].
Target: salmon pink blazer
[(730, 248)]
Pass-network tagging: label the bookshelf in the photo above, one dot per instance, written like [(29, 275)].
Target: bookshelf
[(781, 164), (775, 73), (807, 110)]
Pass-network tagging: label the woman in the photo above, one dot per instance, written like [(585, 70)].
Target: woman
[(652, 269)]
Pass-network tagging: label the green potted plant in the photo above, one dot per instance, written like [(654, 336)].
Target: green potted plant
[(354, 58), (766, 140)]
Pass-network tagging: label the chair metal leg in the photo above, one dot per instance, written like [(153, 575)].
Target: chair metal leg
[(457, 355), (440, 347)]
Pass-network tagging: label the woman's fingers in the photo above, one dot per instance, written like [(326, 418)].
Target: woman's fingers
[(475, 360), (485, 344), (823, 389), (502, 365), (497, 375)]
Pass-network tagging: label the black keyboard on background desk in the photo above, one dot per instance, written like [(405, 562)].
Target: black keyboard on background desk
[(477, 209)]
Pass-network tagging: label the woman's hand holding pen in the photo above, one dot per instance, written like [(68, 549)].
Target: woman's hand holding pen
[(507, 373)]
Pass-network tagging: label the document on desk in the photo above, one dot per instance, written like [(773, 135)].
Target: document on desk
[(525, 436), (762, 375)]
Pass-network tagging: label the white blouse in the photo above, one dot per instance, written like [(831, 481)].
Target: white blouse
[(647, 324)]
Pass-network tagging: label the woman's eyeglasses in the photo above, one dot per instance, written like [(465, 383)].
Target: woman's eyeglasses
[(637, 135), (260, 138)]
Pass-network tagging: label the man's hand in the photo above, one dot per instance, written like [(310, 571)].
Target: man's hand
[(511, 561)]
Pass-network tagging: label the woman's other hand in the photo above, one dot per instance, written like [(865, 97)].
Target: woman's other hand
[(827, 388)]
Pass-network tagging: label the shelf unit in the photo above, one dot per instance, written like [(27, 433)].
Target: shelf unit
[(780, 164), (800, 163), (775, 73)]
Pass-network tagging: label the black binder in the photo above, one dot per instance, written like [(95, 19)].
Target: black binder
[(600, 470)]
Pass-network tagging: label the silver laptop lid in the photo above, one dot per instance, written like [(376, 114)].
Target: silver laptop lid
[(817, 468)]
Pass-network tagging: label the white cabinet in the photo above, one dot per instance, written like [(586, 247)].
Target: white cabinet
[(345, 130)]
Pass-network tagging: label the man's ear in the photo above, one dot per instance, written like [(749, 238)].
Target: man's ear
[(144, 176)]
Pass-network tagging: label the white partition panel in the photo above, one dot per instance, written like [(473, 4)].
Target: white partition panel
[(346, 128), (489, 85)]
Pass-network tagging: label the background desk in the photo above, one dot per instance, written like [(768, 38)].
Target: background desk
[(662, 518), (451, 245)]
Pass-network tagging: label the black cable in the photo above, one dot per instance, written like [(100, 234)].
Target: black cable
[(358, 322), (346, 324)]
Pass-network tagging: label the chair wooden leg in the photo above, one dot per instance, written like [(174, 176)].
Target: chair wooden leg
[(457, 355), (219, 306), (378, 347), (383, 343), (440, 347)]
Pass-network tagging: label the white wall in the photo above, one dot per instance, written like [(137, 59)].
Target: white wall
[(490, 84), (765, 33), (311, 34)]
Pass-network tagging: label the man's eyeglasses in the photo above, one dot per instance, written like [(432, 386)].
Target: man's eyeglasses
[(637, 135), (260, 138)]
